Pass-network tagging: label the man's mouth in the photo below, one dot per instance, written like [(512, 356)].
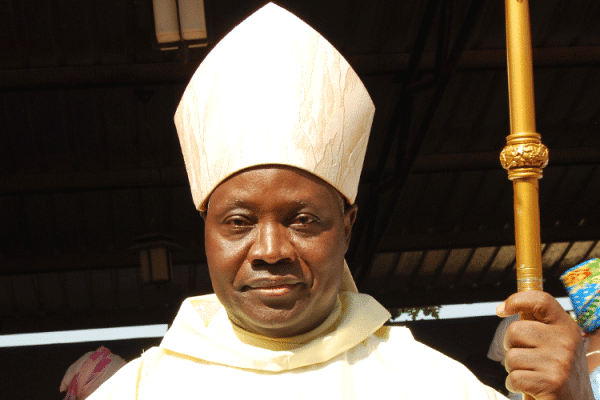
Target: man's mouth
[(274, 287), (277, 290), (267, 283)]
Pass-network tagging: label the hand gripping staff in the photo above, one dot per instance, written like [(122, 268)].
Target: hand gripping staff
[(524, 156)]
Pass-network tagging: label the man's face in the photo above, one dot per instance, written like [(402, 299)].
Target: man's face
[(275, 244)]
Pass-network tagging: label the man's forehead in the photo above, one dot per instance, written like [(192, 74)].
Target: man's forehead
[(243, 195)]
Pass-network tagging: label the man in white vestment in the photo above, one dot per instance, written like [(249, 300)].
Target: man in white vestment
[(273, 128)]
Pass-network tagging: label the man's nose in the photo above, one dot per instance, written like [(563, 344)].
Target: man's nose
[(272, 244)]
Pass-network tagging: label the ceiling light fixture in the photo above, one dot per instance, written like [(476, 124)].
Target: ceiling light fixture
[(155, 258), (179, 23)]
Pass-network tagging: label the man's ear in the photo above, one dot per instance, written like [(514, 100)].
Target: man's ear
[(349, 218)]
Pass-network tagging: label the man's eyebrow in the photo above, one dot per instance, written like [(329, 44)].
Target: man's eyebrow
[(302, 203), (237, 203), (305, 202), (310, 204), (227, 204), (250, 204)]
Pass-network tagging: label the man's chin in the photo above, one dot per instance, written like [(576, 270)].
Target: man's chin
[(277, 316), (275, 322)]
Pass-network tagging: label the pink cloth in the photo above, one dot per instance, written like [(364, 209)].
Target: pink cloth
[(87, 373)]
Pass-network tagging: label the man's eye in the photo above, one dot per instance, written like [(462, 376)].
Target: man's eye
[(237, 221), (304, 219)]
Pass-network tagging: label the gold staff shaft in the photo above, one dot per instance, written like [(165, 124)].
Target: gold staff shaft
[(524, 156)]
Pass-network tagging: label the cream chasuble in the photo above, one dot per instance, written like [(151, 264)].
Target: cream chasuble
[(350, 356)]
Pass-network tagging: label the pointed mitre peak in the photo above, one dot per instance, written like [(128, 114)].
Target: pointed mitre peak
[(274, 91)]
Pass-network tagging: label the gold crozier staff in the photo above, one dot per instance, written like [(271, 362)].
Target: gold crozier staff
[(524, 155)]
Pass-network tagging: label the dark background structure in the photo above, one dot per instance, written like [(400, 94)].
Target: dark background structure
[(90, 162)]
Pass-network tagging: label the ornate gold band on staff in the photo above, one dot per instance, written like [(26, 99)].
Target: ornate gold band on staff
[(524, 157)]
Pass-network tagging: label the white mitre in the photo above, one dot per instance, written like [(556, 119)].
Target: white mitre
[(274, 91)]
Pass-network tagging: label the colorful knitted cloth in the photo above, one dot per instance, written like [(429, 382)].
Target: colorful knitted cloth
[(583, 285)]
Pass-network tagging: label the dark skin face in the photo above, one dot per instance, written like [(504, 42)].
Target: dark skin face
[(275, 243)]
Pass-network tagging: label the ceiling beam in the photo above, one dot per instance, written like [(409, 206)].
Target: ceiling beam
[(86, 261), (177, 176), (491, 160), (90, 181), (91, 75), (128, 74), (486, 238), (478, 59), (421, 297)]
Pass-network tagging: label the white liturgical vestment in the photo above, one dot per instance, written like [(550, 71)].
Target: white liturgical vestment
[(351, 355)]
